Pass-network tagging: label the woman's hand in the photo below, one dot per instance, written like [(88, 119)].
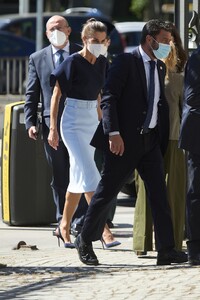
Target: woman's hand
[(53, 138), (116, 144)]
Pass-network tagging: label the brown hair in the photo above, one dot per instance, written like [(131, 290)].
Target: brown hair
[(153, 28), (92, 26)]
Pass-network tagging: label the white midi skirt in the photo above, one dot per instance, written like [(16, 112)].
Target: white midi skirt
[(78, 124)]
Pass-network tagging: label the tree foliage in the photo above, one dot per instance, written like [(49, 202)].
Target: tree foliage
[(138, 7)]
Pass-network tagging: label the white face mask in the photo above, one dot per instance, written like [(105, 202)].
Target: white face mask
[(162, 51), (97, 49), (57, 38)]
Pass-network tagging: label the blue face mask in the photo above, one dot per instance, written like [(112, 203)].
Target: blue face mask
[(162, 51)]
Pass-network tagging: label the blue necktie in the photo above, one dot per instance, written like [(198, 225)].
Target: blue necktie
[(61, 58), (151, 93)]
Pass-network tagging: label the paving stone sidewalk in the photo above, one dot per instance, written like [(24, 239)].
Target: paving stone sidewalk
[(56, 273)]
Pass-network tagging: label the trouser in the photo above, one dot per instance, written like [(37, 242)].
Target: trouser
[(193, 197), (117, 169), (59, 163)]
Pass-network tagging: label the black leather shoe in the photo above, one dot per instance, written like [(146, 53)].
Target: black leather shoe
[(85, 252), (171, 256)]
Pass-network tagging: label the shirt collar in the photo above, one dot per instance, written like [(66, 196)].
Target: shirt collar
[(54, 49), (145, 57)]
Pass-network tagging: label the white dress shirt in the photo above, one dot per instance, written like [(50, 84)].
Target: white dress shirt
[(56, 56), (146, 60)]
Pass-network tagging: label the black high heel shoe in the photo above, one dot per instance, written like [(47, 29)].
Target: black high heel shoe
[(59, 236)]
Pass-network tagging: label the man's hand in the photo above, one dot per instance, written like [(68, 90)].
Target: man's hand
[(116, 144), (32, 133), (53, 138)]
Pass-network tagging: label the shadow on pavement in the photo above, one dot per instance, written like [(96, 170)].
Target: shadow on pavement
[(43, 275)]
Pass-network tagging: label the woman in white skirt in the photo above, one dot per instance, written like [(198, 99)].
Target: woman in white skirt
[(80, 78)]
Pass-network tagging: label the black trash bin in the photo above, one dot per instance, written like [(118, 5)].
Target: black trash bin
[(26, 194)]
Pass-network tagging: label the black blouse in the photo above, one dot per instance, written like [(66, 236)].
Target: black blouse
[(78, 78)]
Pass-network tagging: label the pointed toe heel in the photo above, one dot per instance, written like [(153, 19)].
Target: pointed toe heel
[(69, 245), (109, 245)]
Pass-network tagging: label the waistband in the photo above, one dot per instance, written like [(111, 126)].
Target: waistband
[(77, 103)]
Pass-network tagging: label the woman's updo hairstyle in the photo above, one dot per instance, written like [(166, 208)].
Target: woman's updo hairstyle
[(92, 26)]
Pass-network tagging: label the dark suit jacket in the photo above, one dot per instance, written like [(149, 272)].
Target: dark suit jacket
[(38, 87), (190, 125), (124, 103)]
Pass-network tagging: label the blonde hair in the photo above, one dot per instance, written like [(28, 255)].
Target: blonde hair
[(92, 26), (171, 60)]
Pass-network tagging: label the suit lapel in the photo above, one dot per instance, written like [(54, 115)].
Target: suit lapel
[(161, 75), (141, 70), (48, 57)]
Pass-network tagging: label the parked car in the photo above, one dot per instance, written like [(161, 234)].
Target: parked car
[(12, 45), (13, 62), (131, 33), (25, 25), (87, 11)]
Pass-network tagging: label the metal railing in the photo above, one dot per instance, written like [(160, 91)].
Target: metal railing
[(13, 75)]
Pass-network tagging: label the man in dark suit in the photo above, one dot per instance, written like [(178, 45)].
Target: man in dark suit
[(41, 65), (190, 141), (133, 130)]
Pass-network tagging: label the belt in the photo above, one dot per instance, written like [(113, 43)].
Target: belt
[(77, 103), (146, 131)]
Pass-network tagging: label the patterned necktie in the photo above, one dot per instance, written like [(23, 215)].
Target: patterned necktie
[(151, 93), (61, 58)]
